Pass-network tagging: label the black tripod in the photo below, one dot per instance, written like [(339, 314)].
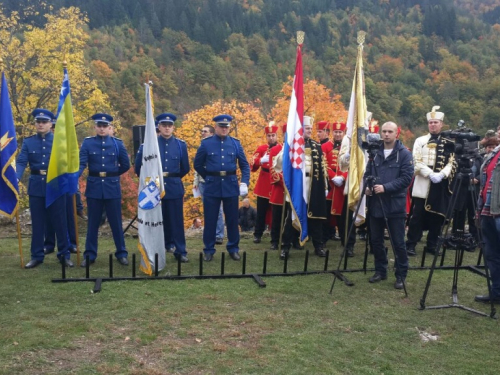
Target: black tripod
[(457, 241), (369, 182)]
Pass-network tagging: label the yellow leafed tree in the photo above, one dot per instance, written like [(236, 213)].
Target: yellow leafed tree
[(248, 126), (32, 61)]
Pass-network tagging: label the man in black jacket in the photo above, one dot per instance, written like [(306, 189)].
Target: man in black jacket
[(392, 168), (247, 216)]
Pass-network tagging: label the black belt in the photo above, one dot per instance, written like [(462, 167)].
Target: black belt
[(42, 172), (104, 174), (221, 173), (265, 169), (171, 174)]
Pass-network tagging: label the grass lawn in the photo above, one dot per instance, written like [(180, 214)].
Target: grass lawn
[(293, 326)]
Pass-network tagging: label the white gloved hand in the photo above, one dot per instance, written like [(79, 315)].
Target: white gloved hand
[(347, 157), (243, 190), (264, 159), (326, 193), (338, 180), (436, 178)]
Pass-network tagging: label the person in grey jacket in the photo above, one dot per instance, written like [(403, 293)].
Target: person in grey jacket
[(392, 168)]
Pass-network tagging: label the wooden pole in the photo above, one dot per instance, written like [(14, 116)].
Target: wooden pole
[(76, 230), (19, 240)]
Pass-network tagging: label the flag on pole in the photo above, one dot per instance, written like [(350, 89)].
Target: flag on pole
[(9, 196), (62, 175), (356, 133), (294, 171), (151, 190)]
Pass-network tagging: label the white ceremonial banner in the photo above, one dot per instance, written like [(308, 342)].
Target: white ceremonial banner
[(151, 190)]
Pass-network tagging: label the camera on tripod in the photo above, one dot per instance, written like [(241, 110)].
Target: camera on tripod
[(372, 143), (466, 150), (463, 138)]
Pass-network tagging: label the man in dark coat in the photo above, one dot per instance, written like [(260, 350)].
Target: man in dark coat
[(247, 216), (392, 169)]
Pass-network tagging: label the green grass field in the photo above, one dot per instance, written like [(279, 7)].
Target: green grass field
[(231, 326)]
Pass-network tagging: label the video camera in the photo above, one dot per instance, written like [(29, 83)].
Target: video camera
[(372, 143), (464, 138)]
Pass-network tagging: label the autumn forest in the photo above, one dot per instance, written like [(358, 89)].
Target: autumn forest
[(205, 57)]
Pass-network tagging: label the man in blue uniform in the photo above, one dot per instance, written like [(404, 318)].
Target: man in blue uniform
[(107, 159), (175, 165), (36, 152), (216, 161)]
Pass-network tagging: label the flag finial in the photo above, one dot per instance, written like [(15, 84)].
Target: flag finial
[(300, 37), (361, 37)]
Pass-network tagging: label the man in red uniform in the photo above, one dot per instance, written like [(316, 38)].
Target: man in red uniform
[(336, 178), (277, 194), (262, 188)]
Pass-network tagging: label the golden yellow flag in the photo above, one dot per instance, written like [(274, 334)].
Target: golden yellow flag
[(356, 132)]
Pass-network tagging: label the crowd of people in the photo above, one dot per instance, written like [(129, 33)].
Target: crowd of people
[(393, 174)]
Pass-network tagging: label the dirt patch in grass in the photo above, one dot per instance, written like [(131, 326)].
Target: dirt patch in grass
[(170, 349)]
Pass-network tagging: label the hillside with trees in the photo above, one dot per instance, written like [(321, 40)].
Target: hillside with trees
[(417, 53)]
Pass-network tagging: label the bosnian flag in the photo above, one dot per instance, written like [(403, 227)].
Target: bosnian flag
[(294, 171)]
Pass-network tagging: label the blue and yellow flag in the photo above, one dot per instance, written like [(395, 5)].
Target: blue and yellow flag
[(62, 175), (8, 180)]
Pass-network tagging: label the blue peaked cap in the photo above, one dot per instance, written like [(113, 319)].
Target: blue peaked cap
[(43, 114), (223, 120), (102, 118), (169, 118)]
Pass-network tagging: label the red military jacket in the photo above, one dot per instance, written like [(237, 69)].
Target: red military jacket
[(277, 187), (336, 193), (263, 185)]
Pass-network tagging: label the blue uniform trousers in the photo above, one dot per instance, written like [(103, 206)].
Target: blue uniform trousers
[(173, 224), (40, 216), (50, 232), (114, 212), (490, 228), (211, 206), (220, 219), (397, 232)]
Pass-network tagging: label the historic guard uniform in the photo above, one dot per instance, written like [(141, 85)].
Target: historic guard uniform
[(315, 185), (260, 161), (107, 159), (35, 152), (217, 160), (434, 160), (175, 165)]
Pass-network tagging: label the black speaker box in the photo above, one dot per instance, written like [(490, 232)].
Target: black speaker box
[(138, 137)]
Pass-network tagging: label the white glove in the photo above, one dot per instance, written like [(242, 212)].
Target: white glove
[(243, 189), (436, 178), (326, 193), (338, 180), (264, 159), (347, 157)]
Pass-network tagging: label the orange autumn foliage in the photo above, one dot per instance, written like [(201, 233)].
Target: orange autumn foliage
[(319, 102), (248, 126)]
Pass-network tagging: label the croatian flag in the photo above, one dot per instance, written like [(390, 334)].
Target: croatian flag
[(294, 153)]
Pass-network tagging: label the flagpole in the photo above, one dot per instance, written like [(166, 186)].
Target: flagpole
[(76, 230), (19, 240)]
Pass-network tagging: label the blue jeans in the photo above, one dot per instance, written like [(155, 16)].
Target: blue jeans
[(397, 232), (490, 228), (219, 232)]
